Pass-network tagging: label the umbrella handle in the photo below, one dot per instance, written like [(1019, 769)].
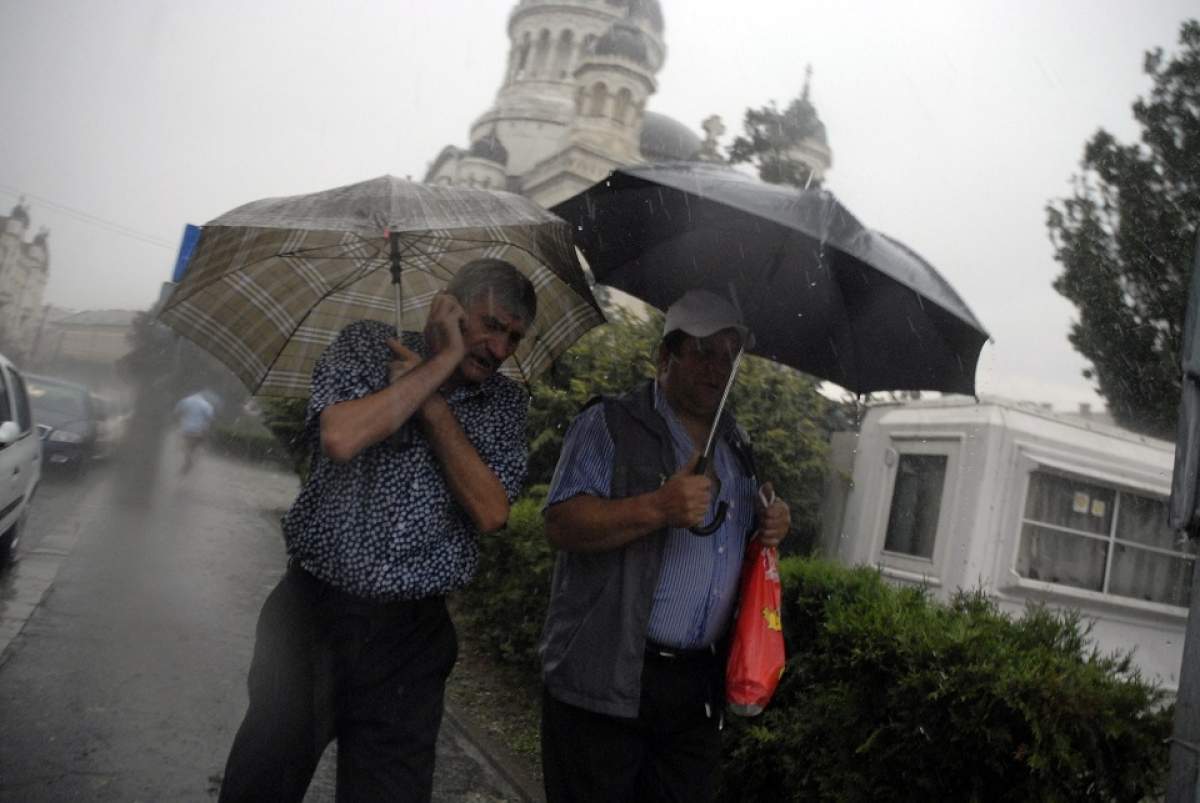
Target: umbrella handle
[(722, 507)]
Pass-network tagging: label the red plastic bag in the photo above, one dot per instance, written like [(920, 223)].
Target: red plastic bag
[(756, 657)]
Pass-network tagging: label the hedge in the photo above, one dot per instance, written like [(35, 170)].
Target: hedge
[(506, 603), (890, 695)]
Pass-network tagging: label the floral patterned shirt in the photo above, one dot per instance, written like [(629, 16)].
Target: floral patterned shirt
[(384, 525)]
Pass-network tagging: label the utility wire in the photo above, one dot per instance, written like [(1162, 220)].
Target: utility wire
[(85, 217)]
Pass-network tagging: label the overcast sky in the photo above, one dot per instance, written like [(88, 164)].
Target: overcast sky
[(952, 123)]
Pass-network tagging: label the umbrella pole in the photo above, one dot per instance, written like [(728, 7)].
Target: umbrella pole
[(397, 291), (702, 463)]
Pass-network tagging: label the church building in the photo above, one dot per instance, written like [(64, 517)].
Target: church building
[(24, 268), (572, 105)]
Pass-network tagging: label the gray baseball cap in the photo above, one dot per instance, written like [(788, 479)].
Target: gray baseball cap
[(701, 313)]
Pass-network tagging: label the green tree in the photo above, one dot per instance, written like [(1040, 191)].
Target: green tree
[(609, 359), (771, 137), (1125, 238)]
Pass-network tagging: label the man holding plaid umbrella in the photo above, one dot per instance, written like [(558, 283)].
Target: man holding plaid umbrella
[(422, 449)]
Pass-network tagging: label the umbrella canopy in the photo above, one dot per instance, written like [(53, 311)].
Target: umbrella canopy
[(272, 283), (823, 293)]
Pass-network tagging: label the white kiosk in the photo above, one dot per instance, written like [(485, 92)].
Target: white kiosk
[(1022, 502)]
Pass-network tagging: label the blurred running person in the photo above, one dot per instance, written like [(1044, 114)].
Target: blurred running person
[(195, 414)]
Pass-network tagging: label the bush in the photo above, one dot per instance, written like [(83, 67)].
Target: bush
[(506, 603), (891, 696), (285, 420), (249, 445)]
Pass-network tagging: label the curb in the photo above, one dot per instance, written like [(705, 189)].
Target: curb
[(28, 579), (500, 758)]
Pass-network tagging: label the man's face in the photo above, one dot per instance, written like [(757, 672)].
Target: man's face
[(695, 377), (491, 334)]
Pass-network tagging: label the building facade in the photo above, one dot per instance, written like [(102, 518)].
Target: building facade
[(572, 104), (24, 268)]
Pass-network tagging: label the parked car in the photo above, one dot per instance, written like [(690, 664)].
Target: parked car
[(66, 419), (20, 457)]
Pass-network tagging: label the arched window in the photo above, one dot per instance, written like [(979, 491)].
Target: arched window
[(624, 101), (541, 53), (523, 55), (510, 70), (599, 96), (562, 54)]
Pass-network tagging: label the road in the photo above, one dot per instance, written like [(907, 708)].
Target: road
[(126, 628)]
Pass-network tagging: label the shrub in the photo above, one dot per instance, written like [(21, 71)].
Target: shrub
[(506, 603), (249, 445), (891, 696)]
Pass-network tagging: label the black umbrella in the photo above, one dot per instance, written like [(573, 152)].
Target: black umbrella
[(823, 293)]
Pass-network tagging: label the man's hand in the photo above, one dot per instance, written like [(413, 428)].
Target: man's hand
[(685, 497), (774, 516), (444, 326), (403, 360)]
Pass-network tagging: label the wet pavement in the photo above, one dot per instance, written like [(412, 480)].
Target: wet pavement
[(126, 628)]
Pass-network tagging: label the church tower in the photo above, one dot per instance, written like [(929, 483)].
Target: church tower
[(572, 105), (560, 51)]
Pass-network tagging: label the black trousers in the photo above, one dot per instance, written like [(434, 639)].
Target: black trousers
[(670, 752), (327, 665)]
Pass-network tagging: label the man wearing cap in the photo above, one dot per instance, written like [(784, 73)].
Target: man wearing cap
[(633, 646)]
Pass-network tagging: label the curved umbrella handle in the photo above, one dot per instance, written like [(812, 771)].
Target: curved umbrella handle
[(722, 508), (718, 520)]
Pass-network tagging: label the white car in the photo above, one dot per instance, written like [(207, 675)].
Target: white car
[(20, 457)]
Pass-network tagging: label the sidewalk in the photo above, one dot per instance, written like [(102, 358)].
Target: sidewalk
[(124, 677)]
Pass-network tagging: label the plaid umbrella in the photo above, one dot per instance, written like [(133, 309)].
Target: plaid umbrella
[(272, 283)]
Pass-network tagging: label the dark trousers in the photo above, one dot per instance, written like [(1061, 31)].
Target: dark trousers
[(670, 752), (327, 665)]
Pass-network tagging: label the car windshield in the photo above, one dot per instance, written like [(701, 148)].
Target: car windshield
[(52, 397)]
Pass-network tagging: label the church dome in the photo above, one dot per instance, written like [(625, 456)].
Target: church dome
[(623, 40), (491, 148), (665, 139)]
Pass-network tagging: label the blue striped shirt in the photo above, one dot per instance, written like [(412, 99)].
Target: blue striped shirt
[(697, 587)]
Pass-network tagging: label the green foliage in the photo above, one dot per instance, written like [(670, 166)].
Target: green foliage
[(285, 419), (249, 445), (506, 603), (769, 137), (609, 359), (889, 696), (785, 416), (1125, 239)]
